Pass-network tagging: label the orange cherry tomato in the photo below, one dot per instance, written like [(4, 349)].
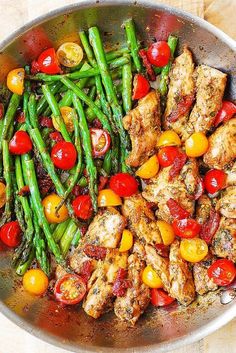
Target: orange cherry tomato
[(35, 282), (108, 197), (70, 54), (149, 169), (169, 138), (15, 80), (193, 250), (2, 194), (126, 241), (196, 145), (151, 278), (50, 204), (167, 232)]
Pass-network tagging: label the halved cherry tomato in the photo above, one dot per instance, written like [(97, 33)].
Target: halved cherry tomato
[(64, 155), (176, 210), (48, 62), (215, 180), (108, 197), (169, 138), (141, 87), (159, 54), (124, 184), (35, 281), (50, 204), (193, 250), (126, 242), (15, 81), (160, 298), (196, 145), (2, 194), (227, 111), (167, 232), (70, 289), (151, 278), (148, 169), (67, 114), (82, 206), (10, 234), (20, 143), (222, 272), (186, 227), (70, 54), (166, 155), (101, 141)]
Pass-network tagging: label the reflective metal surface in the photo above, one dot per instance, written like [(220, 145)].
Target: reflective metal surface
[(157, 330)]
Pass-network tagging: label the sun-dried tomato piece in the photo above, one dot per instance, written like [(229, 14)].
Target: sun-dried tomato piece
[(96, 252), (24, 191), (177, 165), (1, 111), (210, 227), (102, 182), (182, 108), (44, 121), (97, 124), (121, 283), (147, 64), (176, 210), (162, 250), (34, 67), (56, 136), (20, 117), (200, 189), (86, 270)]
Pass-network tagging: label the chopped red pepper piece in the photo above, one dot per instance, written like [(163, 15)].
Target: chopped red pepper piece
[(147, 64), (121, 283), (177, 165), (176, 210), (183, 107), (96, 252), (210, 227)]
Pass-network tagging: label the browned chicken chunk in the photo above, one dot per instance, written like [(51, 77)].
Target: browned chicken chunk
[(144, 125), (141, 219), (181, 280), (203, 209), (231, 175), (210, 85), (134, 302), (100, 294), (203, 283), (181, 86), (224, 241), (222, 146), (226, 205)]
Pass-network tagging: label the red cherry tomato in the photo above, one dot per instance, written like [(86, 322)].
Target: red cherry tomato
[(186, 227), (82, 206), (214, 180), (176, 210), (124, 184), (222, 272), (100, 141), (70, 289), (166, 155), (10, 234), (20, 143), (226, 112), (64, 155), (160, 298), (48, 63), (159, 53), (141, 86)]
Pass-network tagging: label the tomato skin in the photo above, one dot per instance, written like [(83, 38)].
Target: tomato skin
[(10, 234), (82, 206), (222, 272), (99, 136), (64, 155), (124, 184), (20, 143), (159, 54), (35, 282), (149, 168), (160, 298), (196, 145), (166, 155), (177, 165), (151, 278), (67, 287), (186, 227), (48, 63), (215, 180), (226, 112), (141, 87)]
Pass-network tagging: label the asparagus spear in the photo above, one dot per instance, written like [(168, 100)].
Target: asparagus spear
[(66, 239), (7, 174), (133, 43), (22, 267), (127, 87), (9, 116), (42, 103), (59, 230), (32, 109)]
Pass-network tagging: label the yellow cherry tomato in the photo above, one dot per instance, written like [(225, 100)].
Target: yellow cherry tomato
[(35, 282), (2, 194), (70, 54), (67, 115), (15, 80), (196, 145), (126, 241), (193, 250), (169, 138), (167, 232), (50, 204), (151, 278), (149, 169), (108, 197)]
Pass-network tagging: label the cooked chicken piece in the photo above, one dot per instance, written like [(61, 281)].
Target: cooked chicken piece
[(105, 230), (224, 241), (231, 175), (100, 296), (210, 84), (189, 174), (203, 209), (160, 190), (181, 86), (203, 283), (222, 146), (159, 264), (60, 272), (144, 126), (181, 280), (141, 219), (139, 249), (136, 299), (226, 205)]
